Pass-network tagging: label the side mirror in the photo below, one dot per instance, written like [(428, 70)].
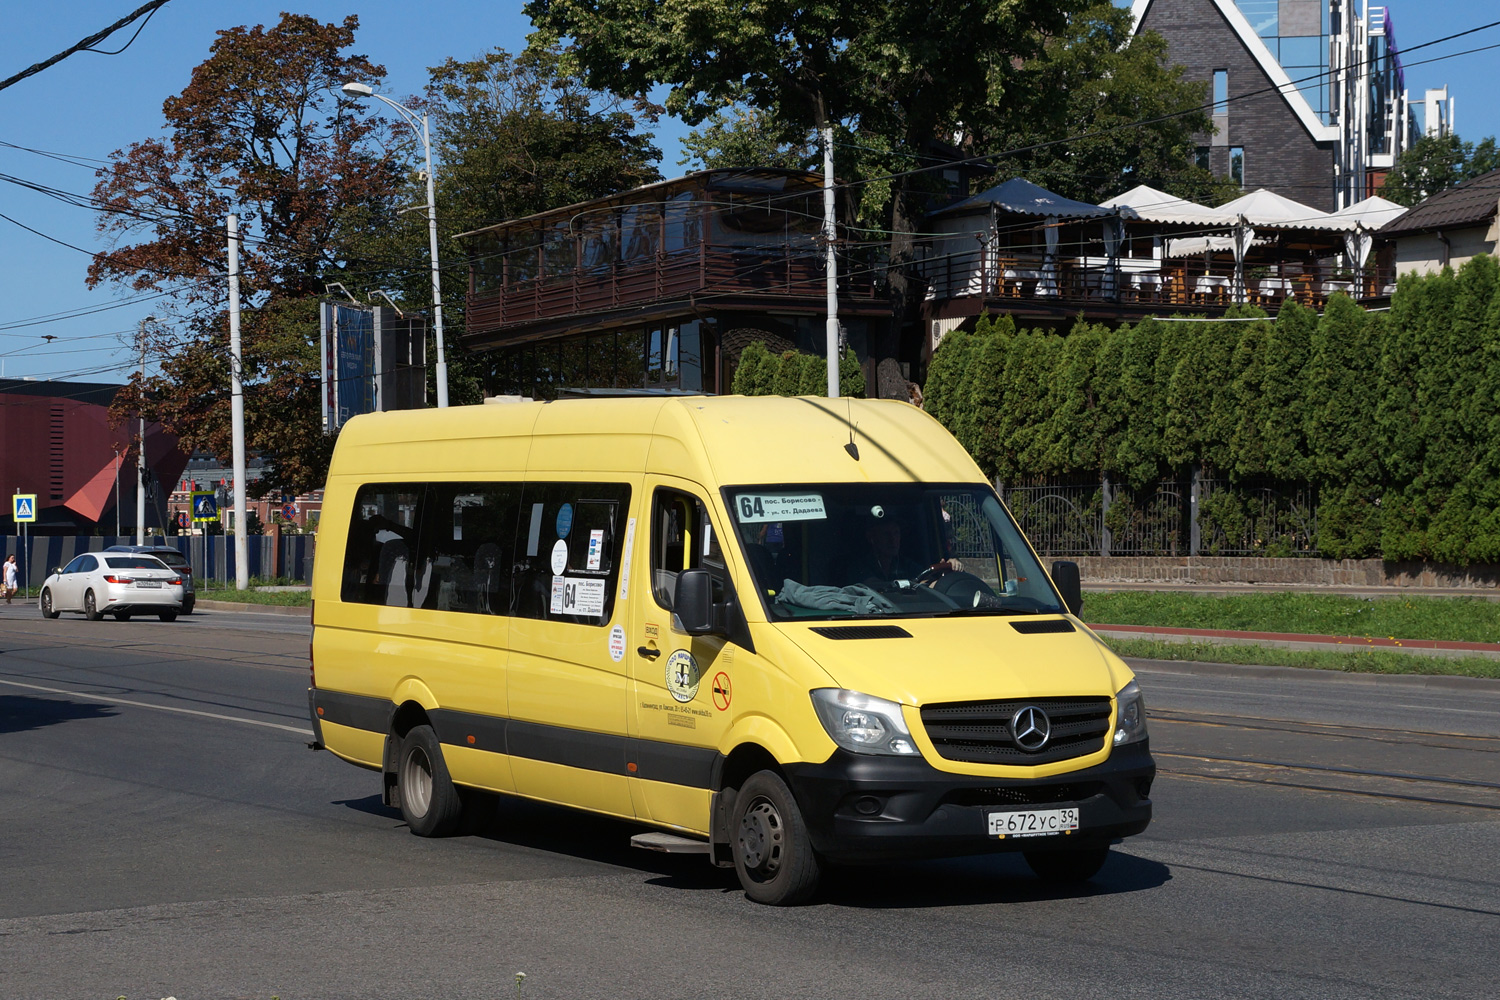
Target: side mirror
[(693, 603), (1070, 584), (56, 570)]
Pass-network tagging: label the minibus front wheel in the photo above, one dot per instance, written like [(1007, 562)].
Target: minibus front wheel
[(773, 853), (429, 802)]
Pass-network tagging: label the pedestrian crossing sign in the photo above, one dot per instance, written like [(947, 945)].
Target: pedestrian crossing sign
[(205, 506), (23, 507)]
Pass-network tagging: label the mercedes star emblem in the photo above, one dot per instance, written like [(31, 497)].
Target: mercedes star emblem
[(1030, 728)]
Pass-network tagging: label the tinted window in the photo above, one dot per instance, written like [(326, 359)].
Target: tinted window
[(468, 533), (171, 558), (133, 562), (76, 566), (441, 546), (381, 551), (87, 564), (577, 529)]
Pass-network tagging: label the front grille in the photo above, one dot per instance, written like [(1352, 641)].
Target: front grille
[(1022, 795), (978, 732)]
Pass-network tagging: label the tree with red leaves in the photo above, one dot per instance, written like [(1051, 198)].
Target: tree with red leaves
[(262, 131)]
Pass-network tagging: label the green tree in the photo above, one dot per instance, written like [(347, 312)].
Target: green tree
[(1436, 163), (903, 74), (515, 135), (259, 131), (1345, 461), (745, 136), (1133, 112), (1285, 393), (981, 398), (1142, 402), (1246, 401)]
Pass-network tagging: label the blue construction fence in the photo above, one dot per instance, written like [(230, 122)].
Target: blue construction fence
[(212, 557)]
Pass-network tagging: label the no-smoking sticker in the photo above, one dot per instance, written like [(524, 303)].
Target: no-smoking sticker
[(721, 691)]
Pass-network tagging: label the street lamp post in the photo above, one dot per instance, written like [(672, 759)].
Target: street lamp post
[(140, 459), (361, 90)]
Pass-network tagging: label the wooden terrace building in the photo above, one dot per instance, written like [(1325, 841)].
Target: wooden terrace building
[(662, 286)]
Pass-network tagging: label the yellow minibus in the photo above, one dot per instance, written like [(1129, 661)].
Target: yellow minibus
[(782, 632)]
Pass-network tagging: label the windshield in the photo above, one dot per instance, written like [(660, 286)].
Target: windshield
[(886, 549)]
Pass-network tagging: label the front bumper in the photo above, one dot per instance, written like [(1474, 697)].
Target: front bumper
[(866, 808)]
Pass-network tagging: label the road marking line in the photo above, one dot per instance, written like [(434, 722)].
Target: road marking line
[(159, 708)]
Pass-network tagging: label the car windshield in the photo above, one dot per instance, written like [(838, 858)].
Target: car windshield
[(133, 562), (886, 549)]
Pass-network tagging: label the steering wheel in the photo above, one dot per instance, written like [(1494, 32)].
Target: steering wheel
[(962, 587)]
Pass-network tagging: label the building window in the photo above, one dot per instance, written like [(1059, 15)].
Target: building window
[(1237, 165), (1221, 92), (1200, 157)]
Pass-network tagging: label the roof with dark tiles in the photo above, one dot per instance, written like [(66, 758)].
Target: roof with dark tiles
[(1471, 203)]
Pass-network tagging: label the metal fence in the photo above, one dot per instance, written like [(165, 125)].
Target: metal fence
[(1196, 516), (211, 557)]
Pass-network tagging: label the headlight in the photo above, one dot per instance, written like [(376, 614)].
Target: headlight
[(1130, 723), (861, 723)]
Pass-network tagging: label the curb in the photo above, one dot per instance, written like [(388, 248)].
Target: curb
[(1297, 640)]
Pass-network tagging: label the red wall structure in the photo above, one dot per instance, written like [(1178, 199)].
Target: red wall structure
[(56, 442)]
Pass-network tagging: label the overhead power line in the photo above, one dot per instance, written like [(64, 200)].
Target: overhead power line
[(86, 45)]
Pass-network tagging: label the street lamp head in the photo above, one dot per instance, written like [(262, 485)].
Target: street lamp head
[(353, 89)]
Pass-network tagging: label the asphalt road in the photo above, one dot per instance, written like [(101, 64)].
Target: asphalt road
[(167, 833)]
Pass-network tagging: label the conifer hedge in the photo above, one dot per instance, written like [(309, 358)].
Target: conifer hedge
[(1394, 418)]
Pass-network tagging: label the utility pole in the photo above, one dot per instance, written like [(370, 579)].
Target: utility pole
[(237, 412), (830, 234), (140, 458)]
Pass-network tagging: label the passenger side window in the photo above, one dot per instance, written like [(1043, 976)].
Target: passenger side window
[(569, 543), (682, 537), (468, 534), (76, 566), (380, 555), (87, 564)]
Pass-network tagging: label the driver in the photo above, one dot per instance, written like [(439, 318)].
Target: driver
[(883, 560)]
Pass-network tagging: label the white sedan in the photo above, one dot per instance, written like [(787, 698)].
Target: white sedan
[(106, 583)]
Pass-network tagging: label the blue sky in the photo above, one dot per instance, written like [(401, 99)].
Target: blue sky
[(90, 104)]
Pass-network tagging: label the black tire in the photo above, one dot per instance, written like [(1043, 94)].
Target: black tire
[(167, 616), (122, 616), (91, 607), (187, 605), (773, 854), (429, 802), (48, 611), (1068, 867)]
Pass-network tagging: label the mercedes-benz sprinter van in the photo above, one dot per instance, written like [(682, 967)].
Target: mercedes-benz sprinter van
[(783, 632)]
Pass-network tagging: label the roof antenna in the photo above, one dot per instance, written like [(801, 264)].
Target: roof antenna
[(851, 447)]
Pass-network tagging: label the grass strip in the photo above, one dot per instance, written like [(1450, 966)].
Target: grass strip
[(1461, 619), (1373, 661), (279, 598)]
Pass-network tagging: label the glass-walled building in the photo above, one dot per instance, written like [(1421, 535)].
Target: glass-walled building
[(1309, 96)]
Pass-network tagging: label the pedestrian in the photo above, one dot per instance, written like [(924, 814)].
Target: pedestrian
[(10, 578)]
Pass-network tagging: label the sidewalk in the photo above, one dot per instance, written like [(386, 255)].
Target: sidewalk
[(1298, 640)]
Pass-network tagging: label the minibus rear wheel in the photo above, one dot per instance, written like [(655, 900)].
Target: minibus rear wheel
[(1067, 867), (773, 854), (429, 802)]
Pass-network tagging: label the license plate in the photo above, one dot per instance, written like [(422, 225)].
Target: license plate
[(1033, 822), (148, 583)]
